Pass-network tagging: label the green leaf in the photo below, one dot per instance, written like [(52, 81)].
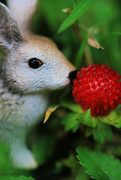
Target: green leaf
[(72, 120), (80, 52), (114, 118), (43, 149), (70, 123), (86, 119), (102, 132), (76, 13), (98, 165), (72, 106)]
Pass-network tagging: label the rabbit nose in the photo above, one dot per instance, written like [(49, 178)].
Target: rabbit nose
[(72, 75)]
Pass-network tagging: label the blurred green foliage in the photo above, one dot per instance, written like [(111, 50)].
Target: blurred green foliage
[(54, 143), (102, 20)]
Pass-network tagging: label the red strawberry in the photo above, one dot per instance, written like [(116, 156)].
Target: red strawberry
[(97, 87)]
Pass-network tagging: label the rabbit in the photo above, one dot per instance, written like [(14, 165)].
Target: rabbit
[(32, 67)]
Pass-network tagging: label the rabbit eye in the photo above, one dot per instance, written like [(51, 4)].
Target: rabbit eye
[(35, 63)]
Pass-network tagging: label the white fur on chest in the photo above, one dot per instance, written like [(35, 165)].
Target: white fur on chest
[(19, 113), (31, 110)]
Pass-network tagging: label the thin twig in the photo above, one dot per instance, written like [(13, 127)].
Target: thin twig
[(76, 30), (87, 52)]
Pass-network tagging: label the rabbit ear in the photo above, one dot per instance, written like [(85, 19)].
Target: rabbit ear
[(9, 32), (23, 11)]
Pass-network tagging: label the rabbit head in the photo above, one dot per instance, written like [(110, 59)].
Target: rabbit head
[(31, 63)]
